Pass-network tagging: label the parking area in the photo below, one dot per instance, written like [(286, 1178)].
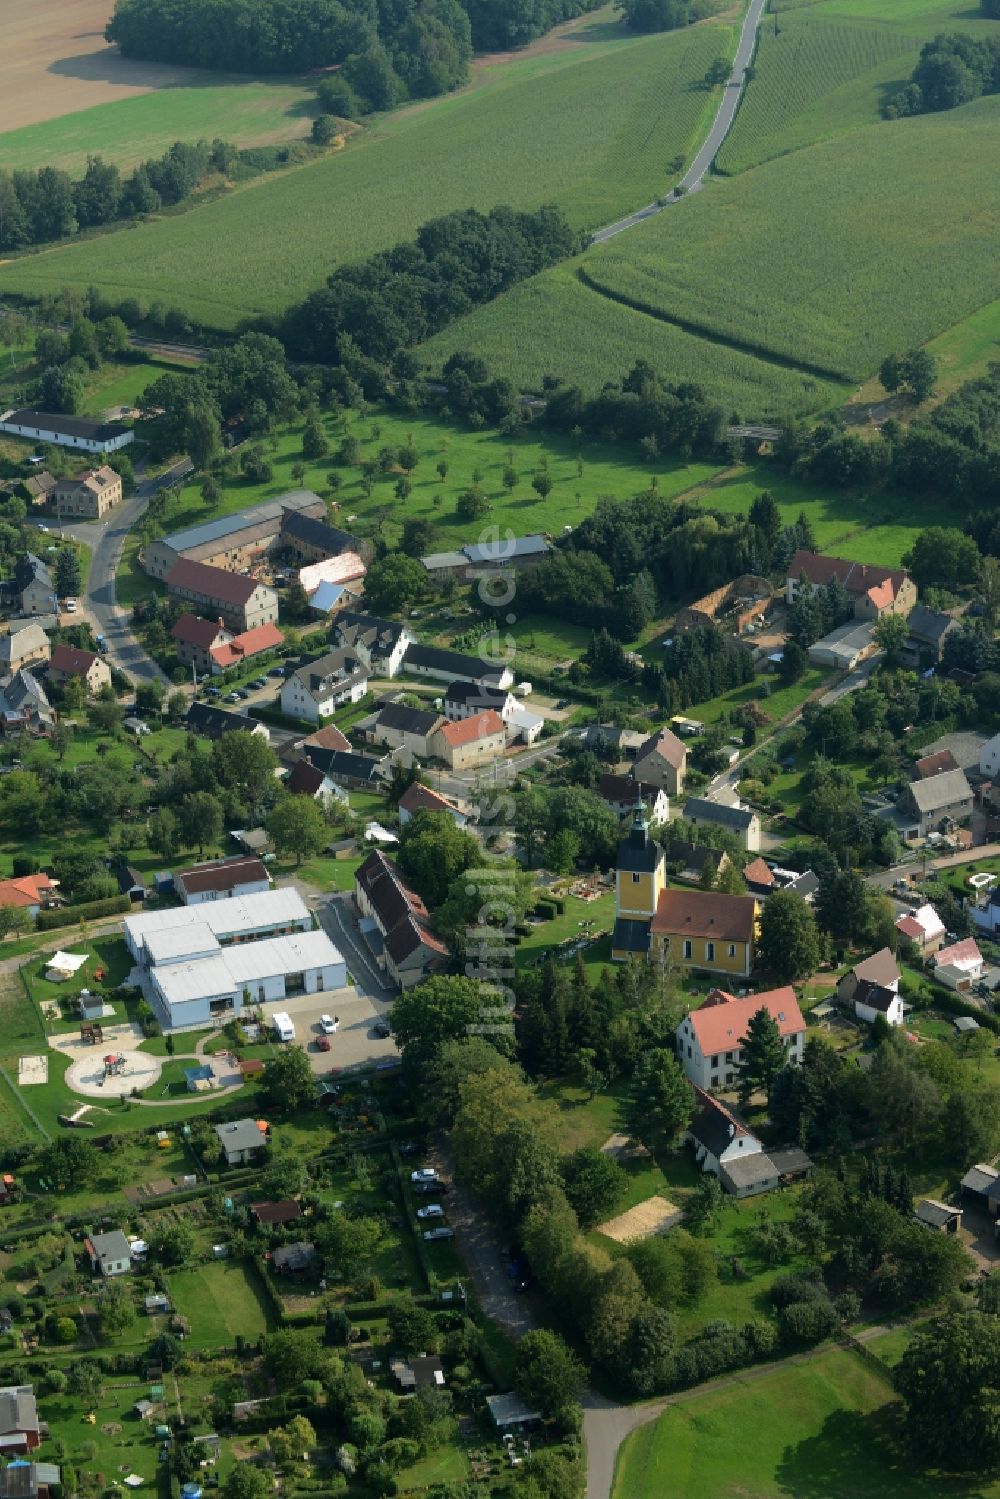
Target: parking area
[(354, 1041)]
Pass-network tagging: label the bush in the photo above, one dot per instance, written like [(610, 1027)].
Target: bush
[(806, 1322), (787, 1290), (50, 921)]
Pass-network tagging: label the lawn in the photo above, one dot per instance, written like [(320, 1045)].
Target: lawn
[(593, 128), (775, 699), (820, 1428), (132, 130), (220, 1300), (553, 324), (107, 955), (556, 938)]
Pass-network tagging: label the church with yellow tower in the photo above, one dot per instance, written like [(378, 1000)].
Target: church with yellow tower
[(640, 877)]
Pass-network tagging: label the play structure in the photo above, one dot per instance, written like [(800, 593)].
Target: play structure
[(115, 1064)]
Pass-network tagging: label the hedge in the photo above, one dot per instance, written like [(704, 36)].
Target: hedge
[(954, 1004), (113, 905)]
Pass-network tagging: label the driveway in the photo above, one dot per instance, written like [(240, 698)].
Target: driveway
[(336, 917)]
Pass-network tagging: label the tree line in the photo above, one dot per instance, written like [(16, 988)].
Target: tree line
[(398, 298), (37, 206), (954, 68), (386, 51), (952, 453), (663, 15)]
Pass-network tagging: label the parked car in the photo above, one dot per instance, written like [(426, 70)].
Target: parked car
[(231, 697), (259, 682), (424, 1174), (382, 1027), (70, 606), (241, 694), (322, 1043), (435, 1235), (411, 1147), (328, 1025), (428, 1189), (432, 1210), (213, 691)]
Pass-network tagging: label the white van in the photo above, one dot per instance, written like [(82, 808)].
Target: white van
[(283, 1026)]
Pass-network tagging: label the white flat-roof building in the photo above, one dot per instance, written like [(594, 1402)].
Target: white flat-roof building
[(221, 984), (242, 918)]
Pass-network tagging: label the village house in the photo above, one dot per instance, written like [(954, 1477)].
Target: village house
[(31, 589), (929, 629), (873, 591), (871, 1000), (662, 761), (242, 603), (66, 431), (37, 488), (881, 968), (316, 689), (504, 550), (989, 758), (29, 891), (760, 878), (20, 1428), (958, 966), (68, 663), (401, 728), (212, 722), (221, 879), (621, 793), (452, 666), (306, 779), (358, 772), (702, 811), (923, 927), (395, 923), (380, 644), (23, 647), (109, 1253), (242, 1140), (24, 705), (466, 699), (720, 1139), (212, 648), (706, 929), (944, 797), (470, 741), (933, 765), (710, 1038), (417, 798), (89, 495)]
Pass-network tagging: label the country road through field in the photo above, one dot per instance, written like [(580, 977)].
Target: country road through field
[(712, 144)]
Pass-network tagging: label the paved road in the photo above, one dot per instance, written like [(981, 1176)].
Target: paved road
[(106, 539), (711, 145)]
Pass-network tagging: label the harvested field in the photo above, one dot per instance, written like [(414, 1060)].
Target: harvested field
[(55, 60), (654, 1216)]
